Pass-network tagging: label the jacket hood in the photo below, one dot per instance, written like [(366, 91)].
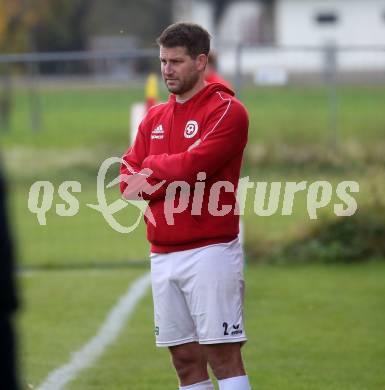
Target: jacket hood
[(204, 93)]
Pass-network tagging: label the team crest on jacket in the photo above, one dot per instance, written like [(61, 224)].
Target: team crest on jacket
[(191, 129)]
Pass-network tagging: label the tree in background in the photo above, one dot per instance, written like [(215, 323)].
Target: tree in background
[(66, 25), (15, 20), (38, 25), (143, 19), (61, 25), (47, 25)]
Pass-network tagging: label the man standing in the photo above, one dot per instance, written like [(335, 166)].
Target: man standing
[(193, 144)]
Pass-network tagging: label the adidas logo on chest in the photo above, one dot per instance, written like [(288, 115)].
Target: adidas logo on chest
[(157, 133)]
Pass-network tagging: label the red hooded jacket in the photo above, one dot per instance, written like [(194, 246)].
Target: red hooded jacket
[(164, 144)]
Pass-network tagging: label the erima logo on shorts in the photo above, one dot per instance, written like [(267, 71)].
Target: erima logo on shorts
[(236, 330), (191, 129)]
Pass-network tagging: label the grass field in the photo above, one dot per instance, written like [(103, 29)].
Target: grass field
[(289, 139), (310, 326), (89, 117)]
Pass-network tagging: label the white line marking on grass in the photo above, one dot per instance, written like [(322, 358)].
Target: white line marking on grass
[(107, 334)]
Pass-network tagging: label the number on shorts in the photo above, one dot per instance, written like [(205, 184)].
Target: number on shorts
[(225, 325)]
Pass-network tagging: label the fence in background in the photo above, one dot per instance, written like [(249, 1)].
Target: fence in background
[(244, 65), (61, 114)]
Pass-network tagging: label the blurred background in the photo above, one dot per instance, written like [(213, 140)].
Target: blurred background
[(312, 76)]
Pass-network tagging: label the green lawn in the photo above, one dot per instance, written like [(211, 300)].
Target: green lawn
[(73, 117), (60, 312), (302, 115), (279, 229), (309, 327), (89, 117), (85, 239), (83, 126)]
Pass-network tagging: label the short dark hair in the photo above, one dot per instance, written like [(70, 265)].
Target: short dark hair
[(189, 35)]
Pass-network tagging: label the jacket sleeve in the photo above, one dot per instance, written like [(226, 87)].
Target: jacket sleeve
[(134, 182), (225, 138)]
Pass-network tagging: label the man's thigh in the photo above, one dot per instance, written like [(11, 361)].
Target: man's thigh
[(215, 294), (173, 322)]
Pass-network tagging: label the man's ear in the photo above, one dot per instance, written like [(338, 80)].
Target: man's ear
[(201, 62)]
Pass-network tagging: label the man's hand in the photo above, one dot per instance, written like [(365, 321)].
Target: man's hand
[(137, 184)]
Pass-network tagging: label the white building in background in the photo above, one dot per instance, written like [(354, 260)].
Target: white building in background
[(343, 22), (240, 23), (197, 11), (357, 24), (291, 22)]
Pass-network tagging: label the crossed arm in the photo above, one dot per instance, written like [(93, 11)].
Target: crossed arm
[(226, 137)]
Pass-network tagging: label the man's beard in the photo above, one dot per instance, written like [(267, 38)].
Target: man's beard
[(185, 85)]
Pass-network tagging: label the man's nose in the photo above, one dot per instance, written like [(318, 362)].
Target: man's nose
[(167, 69)]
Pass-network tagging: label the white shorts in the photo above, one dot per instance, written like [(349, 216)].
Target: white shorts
[(198, 295)]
